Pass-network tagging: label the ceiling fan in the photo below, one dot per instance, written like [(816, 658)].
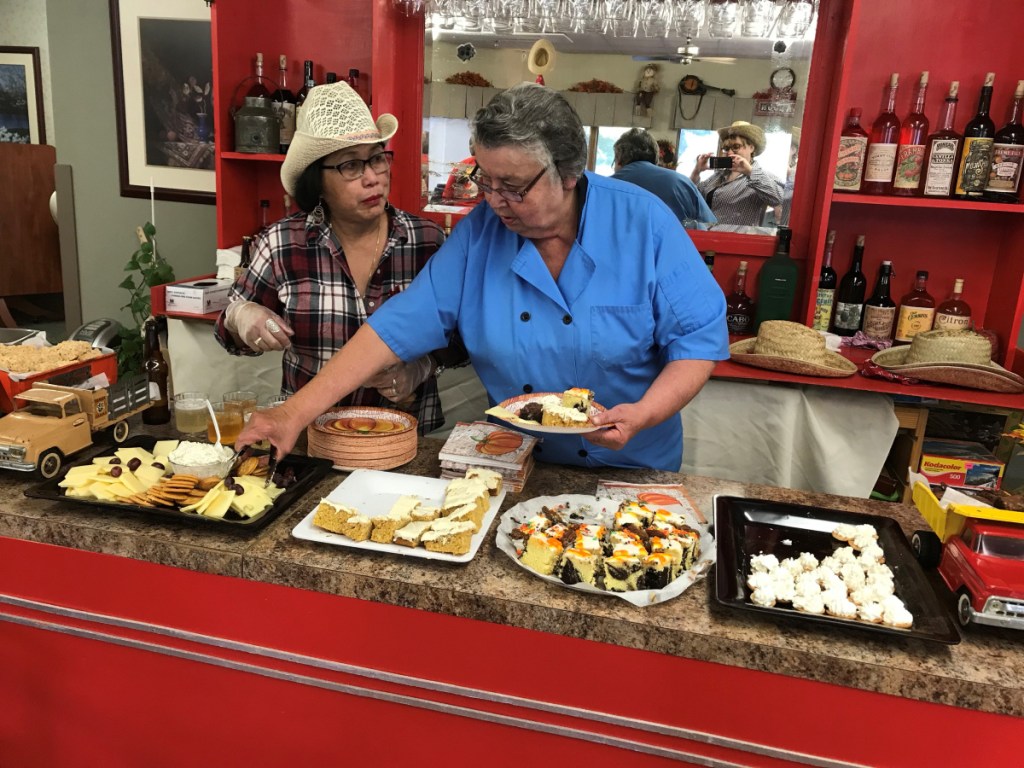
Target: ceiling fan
[(686, 54)]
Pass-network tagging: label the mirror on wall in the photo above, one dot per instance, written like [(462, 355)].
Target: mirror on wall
[(680, 69)]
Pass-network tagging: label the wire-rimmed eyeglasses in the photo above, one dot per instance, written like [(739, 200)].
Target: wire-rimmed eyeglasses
[(351, 170), (512, 195)]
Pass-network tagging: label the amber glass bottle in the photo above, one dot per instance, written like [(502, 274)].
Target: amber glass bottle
[(739, 312), (917, 311), (954, 314), (880, 309), (159, 411)]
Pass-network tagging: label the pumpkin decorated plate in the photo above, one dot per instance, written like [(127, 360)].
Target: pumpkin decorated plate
[(364, 438), (508, 411)]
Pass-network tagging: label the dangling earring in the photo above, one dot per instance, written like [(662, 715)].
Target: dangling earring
[(317, 214)]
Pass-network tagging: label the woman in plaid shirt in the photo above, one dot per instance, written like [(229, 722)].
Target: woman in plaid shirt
[(316, 276)]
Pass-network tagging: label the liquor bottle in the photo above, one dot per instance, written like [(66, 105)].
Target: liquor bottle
[(307, 83), (776, 283), (739, 312), (283, 102), (159, 411), (850, 296), (954, 314), (885, 133), (880, 309), (827, 281), (917, 311), (1008, 154), (259, 88), (942, 151), (709, 259), (331, 77), (853, 146), (353, 80), (264, 214), (910, 155), (976, 155)]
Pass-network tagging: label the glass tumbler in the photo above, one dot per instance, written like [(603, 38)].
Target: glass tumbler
[(229, 420), (190, 412), (241, 400)]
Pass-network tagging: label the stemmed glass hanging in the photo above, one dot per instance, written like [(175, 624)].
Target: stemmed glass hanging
[(722, 17)]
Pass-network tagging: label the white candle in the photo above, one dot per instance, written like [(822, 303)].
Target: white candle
[(152, 203)]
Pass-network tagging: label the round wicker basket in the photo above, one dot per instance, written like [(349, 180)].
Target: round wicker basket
[(364, 438)]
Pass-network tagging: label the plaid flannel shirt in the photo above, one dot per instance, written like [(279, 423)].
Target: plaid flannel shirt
[(299, 272)]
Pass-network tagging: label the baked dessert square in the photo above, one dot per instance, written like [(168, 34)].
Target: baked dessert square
[(385, 526), (542, 553), (406, 505), (622, 573), (426, 513), (578, 398), (467, 513), (633, 512), (560, 416), (657, 571), (462, 491), (580, 566), (331, 517), (444, 535), (489, 477), (409, 535), (357, 527)]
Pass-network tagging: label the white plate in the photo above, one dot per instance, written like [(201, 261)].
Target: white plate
[(602, 510), (513, 404), (374, 493)]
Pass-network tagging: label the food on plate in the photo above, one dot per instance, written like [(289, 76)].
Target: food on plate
[(426, 513), (332, 517), (852, 582), (532, 411), (409, 535), (449, 537), (466, 490), (385, 526), (469, 513), (29, 359), (634, 554), (489, 477), (570, 409)]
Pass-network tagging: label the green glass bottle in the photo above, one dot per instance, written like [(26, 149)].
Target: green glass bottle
[(776, 283)]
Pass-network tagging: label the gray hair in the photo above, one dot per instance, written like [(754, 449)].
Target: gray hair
[(537, 120), (634, 145)]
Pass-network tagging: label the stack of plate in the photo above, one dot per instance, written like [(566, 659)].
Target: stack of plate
[(364, 438)]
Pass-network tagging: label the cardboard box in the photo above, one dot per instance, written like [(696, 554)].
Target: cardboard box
[(197, 297), (960, 464)]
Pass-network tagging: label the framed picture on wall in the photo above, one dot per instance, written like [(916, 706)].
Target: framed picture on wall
[(163, 75), (21, 96)]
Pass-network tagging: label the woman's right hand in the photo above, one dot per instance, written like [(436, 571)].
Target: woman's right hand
[(276, 425), (257, 327)]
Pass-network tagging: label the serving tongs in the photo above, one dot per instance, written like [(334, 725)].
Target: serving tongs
[(271, 467)]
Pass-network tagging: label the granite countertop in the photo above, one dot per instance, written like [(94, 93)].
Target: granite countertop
[(984, 672)]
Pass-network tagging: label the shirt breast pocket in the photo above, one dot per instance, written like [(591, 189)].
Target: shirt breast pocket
[(622, 335)]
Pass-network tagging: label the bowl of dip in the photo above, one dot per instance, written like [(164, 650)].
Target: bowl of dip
[(201, 459)]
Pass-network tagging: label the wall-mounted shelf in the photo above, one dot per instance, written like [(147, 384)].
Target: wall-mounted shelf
[(922, 202), (276, 158)]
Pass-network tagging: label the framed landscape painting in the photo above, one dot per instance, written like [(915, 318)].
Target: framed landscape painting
[(163, 75), (21, 96)]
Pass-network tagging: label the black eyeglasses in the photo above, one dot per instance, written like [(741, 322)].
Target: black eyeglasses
[(512, 195), (351, 170)]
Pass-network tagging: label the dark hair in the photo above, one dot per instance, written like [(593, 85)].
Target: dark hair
[(635, 145), (538, 120), (667, 153), (309, 187)]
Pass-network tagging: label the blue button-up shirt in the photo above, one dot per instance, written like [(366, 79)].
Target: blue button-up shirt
[(632, 296)]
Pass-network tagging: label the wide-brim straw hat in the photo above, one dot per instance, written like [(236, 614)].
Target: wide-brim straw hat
[(541, 58), (960, 358), (791, 348), (333, 117), (752, 133)]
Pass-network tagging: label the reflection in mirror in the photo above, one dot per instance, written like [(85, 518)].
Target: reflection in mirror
[(681, 69)]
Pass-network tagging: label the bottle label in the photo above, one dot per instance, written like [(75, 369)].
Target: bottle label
[(878, 321), (880, 163), (738, 322), (909, 160), (912, 321), (941, 167), (944, 322), (974, 166), (154, 392), (1004, 175), (823, 308), (285, 112), (848, 315), (850, 163)]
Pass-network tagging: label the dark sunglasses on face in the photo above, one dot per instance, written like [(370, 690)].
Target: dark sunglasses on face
[(512, 195), (351, 170)]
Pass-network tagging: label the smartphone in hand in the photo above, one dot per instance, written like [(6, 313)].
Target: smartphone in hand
[(719, 162)]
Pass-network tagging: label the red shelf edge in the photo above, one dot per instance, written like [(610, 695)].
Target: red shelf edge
[(917, 202), (250, 156)]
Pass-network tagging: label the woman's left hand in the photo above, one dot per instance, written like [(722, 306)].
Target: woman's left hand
[(621, 422), (398, 382)]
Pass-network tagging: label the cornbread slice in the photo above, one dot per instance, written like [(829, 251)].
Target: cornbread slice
[(409, 534), (542, 553), (426, 513), (467, 513), (453, 538), (384, 527), (332, 517), (489, 477), (357, 527)]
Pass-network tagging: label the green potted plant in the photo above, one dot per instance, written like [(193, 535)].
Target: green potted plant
[(147, 270)]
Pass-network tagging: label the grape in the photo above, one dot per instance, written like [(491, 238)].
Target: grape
[(114, 460), (239, 489), (229, 482), (158, 465), (116, 472), (134, 463)]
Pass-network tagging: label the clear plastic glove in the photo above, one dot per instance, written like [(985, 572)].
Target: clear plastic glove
[(257, 327), (398, 382)]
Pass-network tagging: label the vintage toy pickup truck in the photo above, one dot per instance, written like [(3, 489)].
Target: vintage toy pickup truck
[(980, 554), (54, 422)]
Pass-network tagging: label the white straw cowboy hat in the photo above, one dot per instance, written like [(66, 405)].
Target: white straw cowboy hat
[(333, 117), (791, 348), (960, 358), (751, 133), (541, 58)]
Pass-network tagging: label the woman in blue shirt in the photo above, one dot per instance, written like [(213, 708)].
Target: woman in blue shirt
[(563, 279)]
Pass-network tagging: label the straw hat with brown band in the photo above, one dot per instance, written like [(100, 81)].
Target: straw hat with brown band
[(541, 58), (960, 358), (791, 348)]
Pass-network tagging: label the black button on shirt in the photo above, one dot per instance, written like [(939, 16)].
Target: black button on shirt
[(567, 319), (525, 317), (527, 388)]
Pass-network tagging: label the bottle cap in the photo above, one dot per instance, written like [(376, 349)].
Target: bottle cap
[(282, 61), (922, 273), (264, 203), (743, 266)]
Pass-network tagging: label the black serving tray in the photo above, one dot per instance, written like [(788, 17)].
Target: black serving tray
[(308, 471), (747, 527)]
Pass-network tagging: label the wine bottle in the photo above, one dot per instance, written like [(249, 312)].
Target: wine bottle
[(827, 281), (159, 411), (330, 77), (917, 310), (776, 282), (850, 296), (283, 102), (976, 155), (954, 314), (880, 309), (259, 88), (709, 259), (910, 155), (354, 81), (739, 312), (853, 146), (307, 84), (885, 132), (942, 151), (1008, 154)]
